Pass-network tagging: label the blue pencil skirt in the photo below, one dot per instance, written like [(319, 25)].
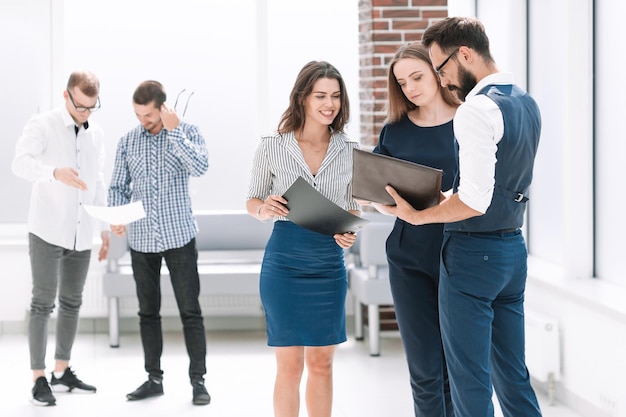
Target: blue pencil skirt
[(303, 288)]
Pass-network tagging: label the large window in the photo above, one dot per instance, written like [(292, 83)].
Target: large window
[(548, 46), (24, 85), (208, 48), (610, 141), (240, 60)]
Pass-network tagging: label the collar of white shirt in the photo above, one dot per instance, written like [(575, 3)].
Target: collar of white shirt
[(69, 121), (495, 78)]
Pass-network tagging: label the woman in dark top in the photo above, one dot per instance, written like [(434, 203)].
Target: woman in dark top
[(419, 129)]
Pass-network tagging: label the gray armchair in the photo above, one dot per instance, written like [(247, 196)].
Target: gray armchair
[(369, 278)]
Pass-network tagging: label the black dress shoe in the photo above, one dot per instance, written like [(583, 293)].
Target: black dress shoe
[(200, 394), (148, 389)]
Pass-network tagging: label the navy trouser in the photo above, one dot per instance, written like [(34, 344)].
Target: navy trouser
[(182, 264), (481, 307), (413, 258)]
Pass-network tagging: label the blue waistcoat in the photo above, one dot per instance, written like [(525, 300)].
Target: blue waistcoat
[(515, 158)]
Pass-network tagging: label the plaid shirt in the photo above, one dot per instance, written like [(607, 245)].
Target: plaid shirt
[(155, 170)]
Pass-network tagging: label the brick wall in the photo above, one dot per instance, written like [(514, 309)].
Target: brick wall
[(383, 26)]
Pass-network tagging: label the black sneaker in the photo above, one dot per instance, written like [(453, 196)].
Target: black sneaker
[(42, 395), (200, 394), (70, 383), (148, 389)]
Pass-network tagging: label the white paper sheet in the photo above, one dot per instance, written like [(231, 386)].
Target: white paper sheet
[(118, 215)]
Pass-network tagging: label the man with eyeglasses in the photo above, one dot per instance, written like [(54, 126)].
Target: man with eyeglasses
[(483, 256), (62, 154)]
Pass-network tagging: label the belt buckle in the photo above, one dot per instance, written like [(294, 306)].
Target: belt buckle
[(519, 198)]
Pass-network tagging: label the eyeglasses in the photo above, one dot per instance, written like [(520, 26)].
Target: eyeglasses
[(186, 103), (82, 109), (443, 64)]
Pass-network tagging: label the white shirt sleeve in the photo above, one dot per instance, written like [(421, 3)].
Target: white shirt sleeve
[(30, 146), (478, 127)]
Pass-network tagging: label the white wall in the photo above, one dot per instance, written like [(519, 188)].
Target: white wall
[(237, 56), (241, 59), (205, 47), (25, 87)]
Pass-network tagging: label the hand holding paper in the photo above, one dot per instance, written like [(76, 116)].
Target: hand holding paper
[(118, 215)]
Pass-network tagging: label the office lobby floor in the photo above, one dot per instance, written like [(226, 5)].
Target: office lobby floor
[(240, 379)]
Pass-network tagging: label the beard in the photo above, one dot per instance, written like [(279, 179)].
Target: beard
[(153, 127), (467, 81)]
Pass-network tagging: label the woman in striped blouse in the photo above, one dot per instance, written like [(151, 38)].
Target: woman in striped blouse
[(303, 278)]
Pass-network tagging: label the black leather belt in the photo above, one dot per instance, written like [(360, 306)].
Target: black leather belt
[(490, 233)]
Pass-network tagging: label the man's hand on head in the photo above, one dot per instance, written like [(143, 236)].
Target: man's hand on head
[(169, 118)]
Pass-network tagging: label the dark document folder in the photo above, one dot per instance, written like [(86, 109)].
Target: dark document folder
[(420, 185), (310, 209)]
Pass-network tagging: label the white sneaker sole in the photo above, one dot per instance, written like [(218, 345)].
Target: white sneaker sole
[(64, 388), (41, 403)]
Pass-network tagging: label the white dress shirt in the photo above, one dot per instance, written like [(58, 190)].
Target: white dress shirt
[(56, 215), (478, 128)]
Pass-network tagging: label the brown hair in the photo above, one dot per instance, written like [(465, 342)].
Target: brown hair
[(293, 118), (454, 32), (148, 92), (398, 105), (86, 81)]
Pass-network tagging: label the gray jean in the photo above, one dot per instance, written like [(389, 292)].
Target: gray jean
[(54, 269)]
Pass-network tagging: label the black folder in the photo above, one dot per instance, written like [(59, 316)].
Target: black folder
[(311, 210), (418, 184)]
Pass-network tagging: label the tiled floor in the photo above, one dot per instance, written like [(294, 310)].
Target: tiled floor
[(240, 379)]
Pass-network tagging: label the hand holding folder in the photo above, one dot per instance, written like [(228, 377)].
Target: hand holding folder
[(311, 210), (418, 184)]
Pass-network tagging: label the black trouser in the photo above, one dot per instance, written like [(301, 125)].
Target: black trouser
[(183, 267)]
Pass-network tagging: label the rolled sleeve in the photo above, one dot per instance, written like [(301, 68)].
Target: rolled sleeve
[(190, 147), (478, 127), (119, 192)]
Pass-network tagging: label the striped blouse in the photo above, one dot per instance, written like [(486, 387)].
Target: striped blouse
[(278, 162)]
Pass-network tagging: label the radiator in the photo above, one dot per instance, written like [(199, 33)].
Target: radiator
[(95, 305), (543, 350)]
